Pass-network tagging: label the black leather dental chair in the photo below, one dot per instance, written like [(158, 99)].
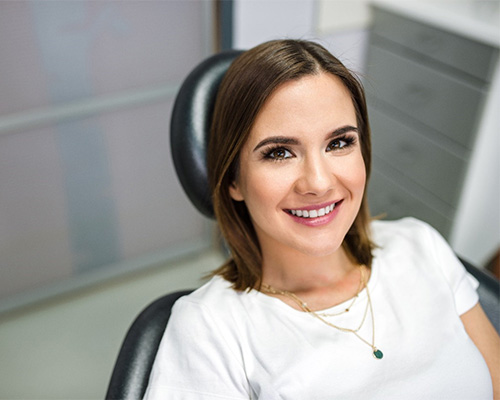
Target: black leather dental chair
[(191, 118)]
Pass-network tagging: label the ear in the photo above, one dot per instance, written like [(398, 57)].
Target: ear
[(235, 192)]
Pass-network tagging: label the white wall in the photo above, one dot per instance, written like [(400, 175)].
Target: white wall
[(341, 26), (87, 181), (476, 232), (258, 21)]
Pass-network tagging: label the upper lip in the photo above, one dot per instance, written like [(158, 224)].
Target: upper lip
[(315, 206)]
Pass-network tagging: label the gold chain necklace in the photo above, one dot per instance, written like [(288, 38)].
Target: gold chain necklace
[(360, 287), (302, 304)]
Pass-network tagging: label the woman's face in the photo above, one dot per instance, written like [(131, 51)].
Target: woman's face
[(301, 172)]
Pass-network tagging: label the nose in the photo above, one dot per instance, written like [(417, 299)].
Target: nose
[(316, 177)]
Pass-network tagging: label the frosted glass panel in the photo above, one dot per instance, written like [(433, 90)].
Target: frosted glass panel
[(34, 234), (65, 50), (80, 190)]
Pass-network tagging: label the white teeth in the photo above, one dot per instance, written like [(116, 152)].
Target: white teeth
[(313, 213)]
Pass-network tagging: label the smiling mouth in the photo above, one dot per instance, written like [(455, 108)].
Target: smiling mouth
[(320, 212)]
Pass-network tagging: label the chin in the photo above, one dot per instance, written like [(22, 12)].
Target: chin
[(320, 251)]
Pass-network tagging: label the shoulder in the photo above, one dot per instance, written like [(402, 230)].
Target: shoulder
[(208, 316), (209, 303), (212, 293), (400, 226), (404, 234), (410, 236), (413, 246), (200, 354)]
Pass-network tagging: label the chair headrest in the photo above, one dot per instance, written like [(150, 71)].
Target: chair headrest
[(190, 127)]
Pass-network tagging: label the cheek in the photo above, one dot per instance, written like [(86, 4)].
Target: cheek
[(264, 187), (354, 175)]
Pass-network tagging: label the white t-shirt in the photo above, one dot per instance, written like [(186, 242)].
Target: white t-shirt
[(223, 344)]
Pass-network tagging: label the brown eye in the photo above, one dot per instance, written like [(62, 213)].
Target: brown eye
[(278, 154), (340, 143), (337, 144)]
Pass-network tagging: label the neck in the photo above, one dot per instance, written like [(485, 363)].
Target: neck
[(321, 281), (298, 272)]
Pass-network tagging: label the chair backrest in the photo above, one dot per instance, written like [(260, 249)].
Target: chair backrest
[(190, 127), (133, 366)]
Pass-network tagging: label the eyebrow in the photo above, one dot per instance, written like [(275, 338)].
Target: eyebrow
[(293, 141), (276, 140), (342, 130)]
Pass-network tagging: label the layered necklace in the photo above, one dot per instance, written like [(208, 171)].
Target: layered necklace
[(321, 316)]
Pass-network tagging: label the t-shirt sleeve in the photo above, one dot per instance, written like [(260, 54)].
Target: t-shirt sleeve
[(462, 283), (196, 360)]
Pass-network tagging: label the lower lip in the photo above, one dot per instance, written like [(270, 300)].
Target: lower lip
[(318, 221)]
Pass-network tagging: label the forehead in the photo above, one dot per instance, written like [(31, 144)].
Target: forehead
[(314, 103)]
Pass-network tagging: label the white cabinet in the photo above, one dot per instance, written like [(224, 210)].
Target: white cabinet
[(426, 88)]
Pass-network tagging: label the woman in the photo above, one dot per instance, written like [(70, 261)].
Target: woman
[(317, 301)]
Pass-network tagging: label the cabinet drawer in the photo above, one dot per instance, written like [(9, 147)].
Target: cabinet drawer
[(435, 99), (474, 58), (417, 157), (385, 196)]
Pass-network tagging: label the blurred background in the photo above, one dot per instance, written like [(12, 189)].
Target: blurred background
[(93, 222)]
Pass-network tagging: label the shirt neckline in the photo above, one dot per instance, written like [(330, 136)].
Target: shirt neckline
[(275, 302)]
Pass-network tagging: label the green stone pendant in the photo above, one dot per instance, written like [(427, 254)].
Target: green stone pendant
[(378, 354)]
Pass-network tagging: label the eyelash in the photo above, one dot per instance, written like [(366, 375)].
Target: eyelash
[(267, 154), (348, 139)]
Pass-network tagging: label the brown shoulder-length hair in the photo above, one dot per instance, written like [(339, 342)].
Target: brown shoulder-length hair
[(246, 86)]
